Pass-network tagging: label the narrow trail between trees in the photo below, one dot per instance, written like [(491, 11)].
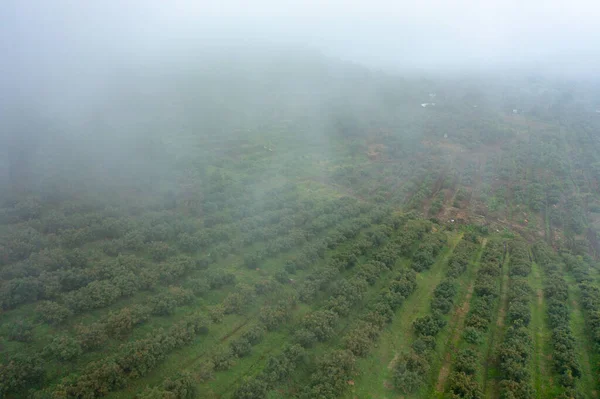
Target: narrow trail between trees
[(458, 322), (491, 388), (542, 381), (376, 377)]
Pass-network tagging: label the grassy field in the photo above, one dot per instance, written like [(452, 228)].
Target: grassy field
[(545, 386), (589, 360)]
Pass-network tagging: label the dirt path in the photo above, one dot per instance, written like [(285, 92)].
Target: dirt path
[(459, 323)]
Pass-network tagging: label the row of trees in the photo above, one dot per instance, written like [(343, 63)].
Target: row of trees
[(181, 386), (105, 280), (54, 271), (444, 293), (124, 277), (514, 352), (411, 370), (118, 324), (98, 378), (336, 367), (51, 272), (318, 325), (311, 224), (556, 292), (428, 250), (463, 379), (318, 280), (102, 293), (579, 267)]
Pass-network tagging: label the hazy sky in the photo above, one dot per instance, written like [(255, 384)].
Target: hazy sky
[(423, 34)]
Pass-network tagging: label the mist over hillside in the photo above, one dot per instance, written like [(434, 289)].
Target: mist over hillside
[(318, 199)]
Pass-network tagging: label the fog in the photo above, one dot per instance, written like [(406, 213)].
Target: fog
[(122, 69), (299, 199), (44, 44), (429, 34)]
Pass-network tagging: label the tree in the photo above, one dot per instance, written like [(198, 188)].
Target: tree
[(21, 330), (20, 372), (255, 334), (251, 388), (63, 348), (182, 386), (19, 290), (429, 325), (320, 323), (472, 335), (91, 336), (199, 286), (120, 323), (333, 371), (466, 361), (97, 379), (272, 316), (283, 365), (223, 359), (360, 339), (462, 385), (216, 313), (52, 312), (410, 371), (241, 347)]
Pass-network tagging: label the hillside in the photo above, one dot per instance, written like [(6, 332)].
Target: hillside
[(296, 226)]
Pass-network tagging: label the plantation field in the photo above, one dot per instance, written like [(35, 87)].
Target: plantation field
[(378, 249)]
